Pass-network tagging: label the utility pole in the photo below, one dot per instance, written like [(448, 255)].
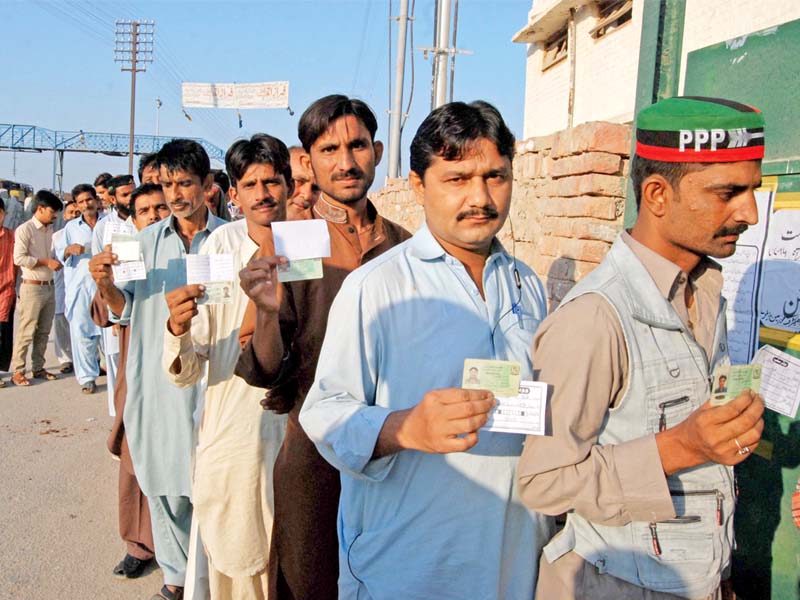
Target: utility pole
[(133, 49), (442, 51), (158, 113), (441, 54), (397, 102)]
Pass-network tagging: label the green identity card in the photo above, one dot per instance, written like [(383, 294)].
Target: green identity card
[(731, 380), (300, 269), (501, 377)]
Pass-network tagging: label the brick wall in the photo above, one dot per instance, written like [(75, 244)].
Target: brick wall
[(567, 205)]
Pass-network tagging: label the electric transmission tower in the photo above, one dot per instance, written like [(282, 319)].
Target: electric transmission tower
[(133, 49)]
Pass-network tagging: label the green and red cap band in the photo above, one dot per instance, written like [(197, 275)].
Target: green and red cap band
[(692, 129)]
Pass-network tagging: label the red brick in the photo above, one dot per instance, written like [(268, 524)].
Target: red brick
[(602, 137), (589, 162), (586, 250), (599, 207), (549, 246), (591, 184)]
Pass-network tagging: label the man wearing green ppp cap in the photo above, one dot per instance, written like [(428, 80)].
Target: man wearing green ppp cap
[(638, 459)]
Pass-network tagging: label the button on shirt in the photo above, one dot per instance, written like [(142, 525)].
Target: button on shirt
[(33, 240), (158, 415), (414, 524)]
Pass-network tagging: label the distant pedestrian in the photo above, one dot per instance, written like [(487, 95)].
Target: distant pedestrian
[(148, 169), (33, 247), (63, 341), (101, 183), (16, 211), (74, 250), (8, 292)]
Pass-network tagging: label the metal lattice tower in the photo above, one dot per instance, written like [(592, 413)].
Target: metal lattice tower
[(133, 49)]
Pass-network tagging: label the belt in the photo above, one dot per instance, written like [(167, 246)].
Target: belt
[(37, 282)]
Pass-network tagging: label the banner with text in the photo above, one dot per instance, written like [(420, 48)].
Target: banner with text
[(271, 94)]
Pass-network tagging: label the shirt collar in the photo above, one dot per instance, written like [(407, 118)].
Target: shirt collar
[(329, 212), (37, 223), (425, 247), (211, 223), (668, 277)]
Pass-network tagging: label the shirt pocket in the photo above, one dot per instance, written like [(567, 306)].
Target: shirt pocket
[(667, 406), (669, 554)]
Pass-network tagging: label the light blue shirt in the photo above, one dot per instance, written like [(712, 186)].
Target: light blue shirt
[(158, 414), (79, 287), (414, 525)]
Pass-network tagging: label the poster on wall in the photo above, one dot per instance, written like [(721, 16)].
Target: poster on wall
[(742, 274), (780, 295)]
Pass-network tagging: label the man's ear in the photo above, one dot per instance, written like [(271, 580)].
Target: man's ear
[(657, 192), (417, 186), (305, 161), (234, 196), (378, 146)]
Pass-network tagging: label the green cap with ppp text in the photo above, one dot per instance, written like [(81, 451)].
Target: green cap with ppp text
[(699, 130)]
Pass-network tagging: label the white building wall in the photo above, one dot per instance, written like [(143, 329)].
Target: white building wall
[(546, 94), (606, 69)]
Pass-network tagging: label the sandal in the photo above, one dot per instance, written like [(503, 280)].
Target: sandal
[(165, 594), (20, 379), (44, 375)]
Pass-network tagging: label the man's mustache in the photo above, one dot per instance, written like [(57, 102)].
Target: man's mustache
[(726, 231), (265, 203), (488, 213), (354, 173)]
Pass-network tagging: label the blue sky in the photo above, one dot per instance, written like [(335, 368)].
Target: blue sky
[(58, 67)]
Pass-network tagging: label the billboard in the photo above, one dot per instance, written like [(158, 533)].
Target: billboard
[(270, 94)]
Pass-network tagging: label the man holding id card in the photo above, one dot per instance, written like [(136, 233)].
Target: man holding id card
[(236, 440), (639, 457), (429, 507)]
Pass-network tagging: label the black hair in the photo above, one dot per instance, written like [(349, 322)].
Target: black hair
[(46, 199), (184, 155), (82, 188), (102, 179), (259, 149), (2, 205), (450, 131), (318, 117), (673, 172), (147, 160), (143, 190), (222, 180), (118, 181)]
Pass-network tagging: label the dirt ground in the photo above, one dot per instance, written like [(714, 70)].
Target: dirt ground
[(58, 495)]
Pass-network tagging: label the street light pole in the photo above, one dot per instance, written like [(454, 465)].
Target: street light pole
[(133, 48)]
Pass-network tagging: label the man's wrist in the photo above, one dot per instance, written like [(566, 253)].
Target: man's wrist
[(676, 451)]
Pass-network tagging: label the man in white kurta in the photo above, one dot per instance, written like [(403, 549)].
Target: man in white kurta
[(238, 441)]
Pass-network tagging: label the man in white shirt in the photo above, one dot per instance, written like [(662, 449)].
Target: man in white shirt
[(63, 343), (237, 441)]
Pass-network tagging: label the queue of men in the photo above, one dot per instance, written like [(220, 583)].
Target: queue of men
[(310, 439)]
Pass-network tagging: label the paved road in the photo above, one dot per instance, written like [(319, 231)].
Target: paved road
[(58, 496)]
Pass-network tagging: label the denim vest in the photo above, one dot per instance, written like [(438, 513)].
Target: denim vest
[(669, 377)]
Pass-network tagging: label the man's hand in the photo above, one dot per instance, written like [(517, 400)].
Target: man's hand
[(52, 264), (445, 421), (100, 268), (73, 250), (259, 280), (711, 433), (182, 304)]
